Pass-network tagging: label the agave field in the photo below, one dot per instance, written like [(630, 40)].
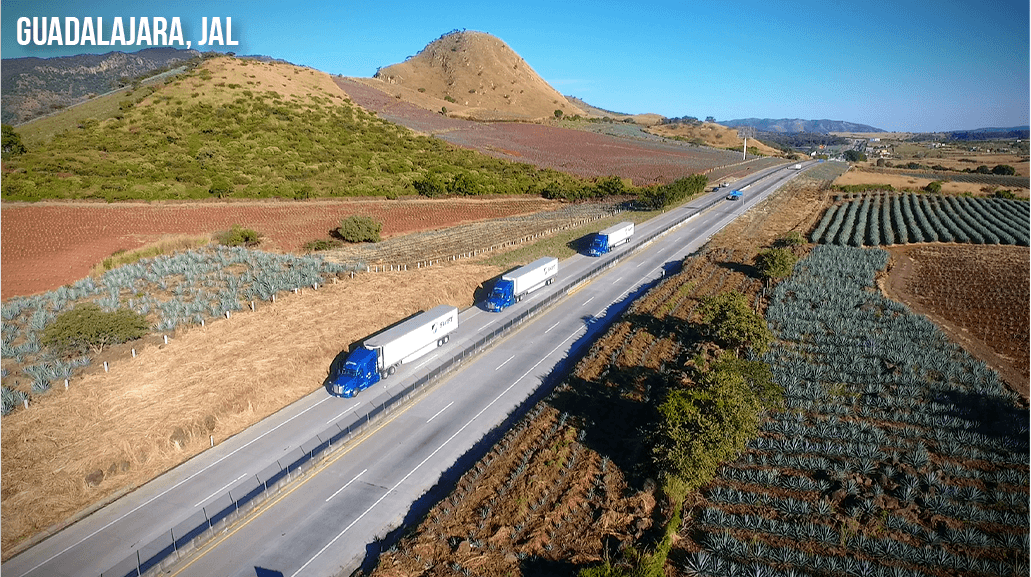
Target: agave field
[(170, 290), (895, 454), (887, 219)]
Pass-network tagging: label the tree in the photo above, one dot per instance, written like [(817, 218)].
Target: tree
[(87, 327), (1004, 169), (775, 263), (731, 322), (360, 228), (854, 156), (443, 110), (711, 119), (220, 187), (11, 141), (558, 114)]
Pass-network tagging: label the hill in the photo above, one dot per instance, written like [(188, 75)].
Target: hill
[(236, 127), (710, 134), (474, 75), (799, 125), (33, 87), (647, 119)]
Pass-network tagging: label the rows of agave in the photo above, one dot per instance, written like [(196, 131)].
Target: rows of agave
[(171, 290), (895, 453), (878, 219)]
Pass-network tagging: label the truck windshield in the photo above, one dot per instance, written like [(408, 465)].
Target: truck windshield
[(498, 292), (350, 372)]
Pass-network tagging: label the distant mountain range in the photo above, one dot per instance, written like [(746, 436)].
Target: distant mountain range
[(791, 125), (33, 87)]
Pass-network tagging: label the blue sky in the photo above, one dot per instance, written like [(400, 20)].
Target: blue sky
[(903, 66)]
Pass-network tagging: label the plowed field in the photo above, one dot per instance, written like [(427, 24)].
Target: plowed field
[(577, 152), (47, 245)]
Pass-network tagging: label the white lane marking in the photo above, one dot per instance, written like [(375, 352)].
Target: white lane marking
[(504, 363), (347, 410), (552, 326), (173, 487), (412, 472), (418, 366), (640, 264), (345, 485), (205, 499), (440, 411), (587, 301)]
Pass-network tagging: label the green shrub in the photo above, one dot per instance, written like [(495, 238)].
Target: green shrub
[(11, 141), (87, 327), (360, 228), (775, 263), (220, 187), (1004, 169), (732, 323), (791, 238), (935, 187), (321, 244), (449, 98), (238, 236)]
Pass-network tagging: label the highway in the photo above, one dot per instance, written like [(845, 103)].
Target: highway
[(323, 523)]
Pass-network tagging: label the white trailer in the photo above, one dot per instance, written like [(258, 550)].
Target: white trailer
[(533, 276), (610, 237), (796, 167), (523, 280), (413, 338)]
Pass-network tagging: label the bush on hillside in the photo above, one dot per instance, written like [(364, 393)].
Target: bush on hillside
[(359, 228), (775, 263), (238, 236), (87, 327)]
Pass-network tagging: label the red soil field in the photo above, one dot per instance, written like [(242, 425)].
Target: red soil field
[(582, 153), (47, 245)]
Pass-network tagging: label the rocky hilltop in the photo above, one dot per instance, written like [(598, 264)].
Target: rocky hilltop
[(474, 75)]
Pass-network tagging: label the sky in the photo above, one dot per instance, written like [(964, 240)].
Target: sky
[(907, 66)]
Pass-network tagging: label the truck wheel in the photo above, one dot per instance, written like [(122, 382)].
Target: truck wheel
[(447, 338), (391, 370)]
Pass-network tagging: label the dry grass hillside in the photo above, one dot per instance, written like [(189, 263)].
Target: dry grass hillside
[(647, 119), (710, 134), (476, 76)]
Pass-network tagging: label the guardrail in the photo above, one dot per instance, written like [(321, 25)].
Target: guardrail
[(167, 549)]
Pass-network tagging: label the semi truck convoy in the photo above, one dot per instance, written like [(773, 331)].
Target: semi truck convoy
[(381, 354), (610, 237), (523, 280)]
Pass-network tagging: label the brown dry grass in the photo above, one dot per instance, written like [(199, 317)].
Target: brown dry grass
[(155, 411), (287, 80), (711, 134), (485, 77)]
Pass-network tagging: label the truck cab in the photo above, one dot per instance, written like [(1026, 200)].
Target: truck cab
[(599, 245), (358, 373), (501, 295), (735, 195)]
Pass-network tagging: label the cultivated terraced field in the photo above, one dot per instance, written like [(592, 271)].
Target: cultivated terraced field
[(978, 294), (573, 151), (47, 245), (879, 219), (896, 452)]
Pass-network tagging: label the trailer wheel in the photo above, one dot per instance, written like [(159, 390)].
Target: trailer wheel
[(391, 370), (447, 338)]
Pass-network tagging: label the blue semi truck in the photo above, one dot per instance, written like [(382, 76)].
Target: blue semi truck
[(523, 280), (381, 354), (610, 237)]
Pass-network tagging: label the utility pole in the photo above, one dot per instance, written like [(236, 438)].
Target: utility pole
[(745, 132)]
